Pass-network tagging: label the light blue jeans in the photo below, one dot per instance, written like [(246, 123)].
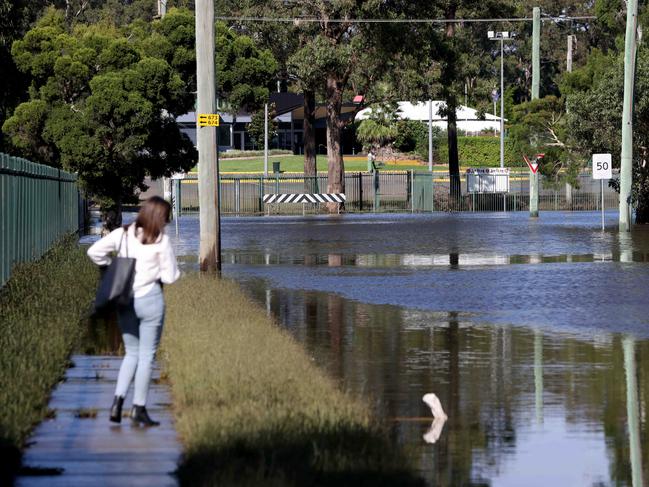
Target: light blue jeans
[(141, 326)]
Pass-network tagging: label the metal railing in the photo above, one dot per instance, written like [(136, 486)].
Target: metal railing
[(38, 205), (392, 191)]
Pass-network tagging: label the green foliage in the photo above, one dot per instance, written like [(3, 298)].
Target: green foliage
[(539, 127), (412, 136), (380, 128), (43, 305), (256, 127), (269, 416), (480, 151), (103, 101), (595, 123), (245, 72)]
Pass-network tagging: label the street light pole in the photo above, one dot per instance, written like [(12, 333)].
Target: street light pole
[(502, 103)]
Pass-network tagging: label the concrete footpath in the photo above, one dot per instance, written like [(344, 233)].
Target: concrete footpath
[(80, 447)]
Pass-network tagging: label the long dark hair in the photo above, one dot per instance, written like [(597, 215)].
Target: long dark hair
[(154, 214)]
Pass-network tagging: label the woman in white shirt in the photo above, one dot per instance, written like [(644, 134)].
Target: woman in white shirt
[(141, 321)]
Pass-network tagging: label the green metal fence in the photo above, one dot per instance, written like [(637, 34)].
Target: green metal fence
[(38, 205), (395, 191)]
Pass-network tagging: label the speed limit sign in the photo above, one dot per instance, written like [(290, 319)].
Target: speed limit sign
[(602, 166)]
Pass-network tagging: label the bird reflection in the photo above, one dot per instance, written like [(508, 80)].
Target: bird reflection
[(432, 435)]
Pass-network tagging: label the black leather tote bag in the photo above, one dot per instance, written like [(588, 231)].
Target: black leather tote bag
[(116, 284)]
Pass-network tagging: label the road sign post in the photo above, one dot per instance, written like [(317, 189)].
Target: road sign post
[(602, 169)]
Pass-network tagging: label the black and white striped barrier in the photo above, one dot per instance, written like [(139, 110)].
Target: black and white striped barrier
[(305, 198)]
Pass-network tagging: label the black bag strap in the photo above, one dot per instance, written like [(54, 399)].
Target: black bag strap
[(124, 234)]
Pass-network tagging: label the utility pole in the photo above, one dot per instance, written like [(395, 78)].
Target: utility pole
[(536, 83), (266, 140), (626, 160), (571, 39), (208, 190), (166, 182), (430, 135)]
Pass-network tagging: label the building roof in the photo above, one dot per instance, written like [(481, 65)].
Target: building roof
[(419, 111)]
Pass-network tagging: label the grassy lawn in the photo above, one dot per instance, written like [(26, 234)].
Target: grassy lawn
[(296, 164), (43, 305), (352, 164), (251, 407)]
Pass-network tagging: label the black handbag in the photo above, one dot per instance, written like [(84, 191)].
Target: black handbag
[(116, 283)]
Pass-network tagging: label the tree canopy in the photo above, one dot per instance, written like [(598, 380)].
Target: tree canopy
[(103, 102)]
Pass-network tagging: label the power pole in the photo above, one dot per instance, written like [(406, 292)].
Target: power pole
[(266, 140), (626, 160), (536, 83), (208, 191), (430, 135), (166, 182), (571, 39)]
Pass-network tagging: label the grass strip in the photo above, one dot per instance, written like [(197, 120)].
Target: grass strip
[(251, 407), (42, 308)]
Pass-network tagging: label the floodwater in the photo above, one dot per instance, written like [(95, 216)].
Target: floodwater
[(534, 334)]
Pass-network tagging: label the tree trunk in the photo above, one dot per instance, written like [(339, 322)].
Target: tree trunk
[(453, 155), (310, 166), (111, 215), (336, 166), (642, 203), (451, 105)]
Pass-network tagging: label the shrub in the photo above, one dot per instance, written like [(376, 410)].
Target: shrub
[(43, 305), (479, 151), (251, 407)]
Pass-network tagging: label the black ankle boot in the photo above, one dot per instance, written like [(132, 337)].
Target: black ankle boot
[(116, 409), (139, 415)]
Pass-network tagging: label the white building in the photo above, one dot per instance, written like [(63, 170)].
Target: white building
[(468, 120)]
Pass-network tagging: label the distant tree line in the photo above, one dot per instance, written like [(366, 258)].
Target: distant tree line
[(110, 76)]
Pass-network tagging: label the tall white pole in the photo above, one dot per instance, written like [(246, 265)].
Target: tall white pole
[(502, 104), (632, 411), (266, 140), (208, 191), (626, 162), (430, 135)]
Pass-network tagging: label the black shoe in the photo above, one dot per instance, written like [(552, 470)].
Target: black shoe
[(140, 416), (116, 409)]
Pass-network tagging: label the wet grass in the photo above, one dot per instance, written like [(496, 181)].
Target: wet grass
[(252, 408), (42, 305)]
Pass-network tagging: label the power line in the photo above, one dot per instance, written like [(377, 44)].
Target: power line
[(396, 21)]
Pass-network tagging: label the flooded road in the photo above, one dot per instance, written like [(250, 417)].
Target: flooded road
[(533, 334)]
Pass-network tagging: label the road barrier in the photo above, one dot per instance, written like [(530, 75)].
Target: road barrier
[(38, 206), (395, 191)]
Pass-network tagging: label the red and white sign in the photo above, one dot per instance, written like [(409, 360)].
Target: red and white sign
[(533, 165)]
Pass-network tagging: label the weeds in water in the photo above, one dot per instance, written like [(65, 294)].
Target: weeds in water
[(42, 306), (252, 408), (86, 413)]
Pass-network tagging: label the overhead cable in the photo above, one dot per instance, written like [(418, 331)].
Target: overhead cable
[(395, 21)]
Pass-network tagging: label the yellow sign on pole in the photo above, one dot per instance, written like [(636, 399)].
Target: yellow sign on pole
[(209, 119)]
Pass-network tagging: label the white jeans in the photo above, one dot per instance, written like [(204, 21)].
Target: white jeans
[(141, 326)]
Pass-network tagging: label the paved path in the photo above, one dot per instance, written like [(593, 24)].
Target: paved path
[(93, 451)]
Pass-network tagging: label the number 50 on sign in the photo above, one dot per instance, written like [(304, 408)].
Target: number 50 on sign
[(602, 166)]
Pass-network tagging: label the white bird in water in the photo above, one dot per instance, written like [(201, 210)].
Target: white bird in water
[(435, 406), (436, 427)]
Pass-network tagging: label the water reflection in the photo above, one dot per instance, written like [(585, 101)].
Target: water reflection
[(525, 406)]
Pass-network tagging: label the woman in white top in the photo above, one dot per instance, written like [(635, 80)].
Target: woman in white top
[(141, 321)]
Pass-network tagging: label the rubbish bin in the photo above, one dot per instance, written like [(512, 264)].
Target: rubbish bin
[(276, 166)]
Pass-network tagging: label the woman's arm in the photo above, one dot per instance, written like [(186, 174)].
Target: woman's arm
[(100, 250), (168, 266)]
